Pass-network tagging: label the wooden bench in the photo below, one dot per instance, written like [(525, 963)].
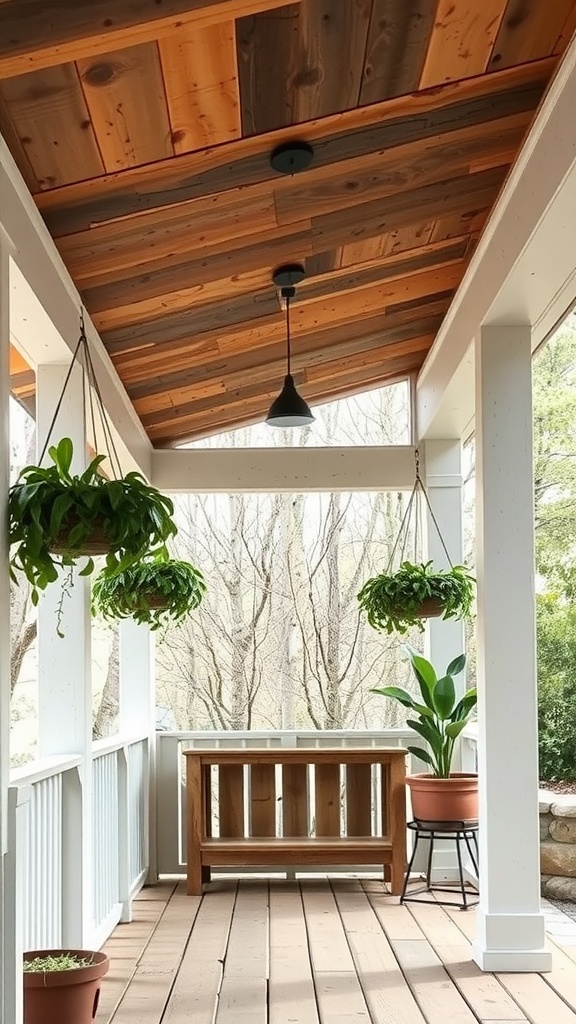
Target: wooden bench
[(297, 815)]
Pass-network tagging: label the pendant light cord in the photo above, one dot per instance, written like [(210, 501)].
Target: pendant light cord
[(288, 293)]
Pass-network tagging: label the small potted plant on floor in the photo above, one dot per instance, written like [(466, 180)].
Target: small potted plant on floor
[(396, 602), (152, 592), (62, 986), (57, 518), (440, 795)]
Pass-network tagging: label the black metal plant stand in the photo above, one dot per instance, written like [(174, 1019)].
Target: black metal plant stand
[(459, 832)]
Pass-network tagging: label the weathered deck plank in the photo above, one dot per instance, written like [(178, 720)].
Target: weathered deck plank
[(315, 952)]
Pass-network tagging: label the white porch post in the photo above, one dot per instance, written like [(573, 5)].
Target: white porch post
[(444, 639), (64, 672), (510, 934), (138, 718), (10, 973)]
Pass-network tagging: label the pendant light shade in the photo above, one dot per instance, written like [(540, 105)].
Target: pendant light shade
[(289, 409)]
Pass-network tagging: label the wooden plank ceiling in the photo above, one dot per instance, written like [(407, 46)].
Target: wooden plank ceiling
[(144, 130)]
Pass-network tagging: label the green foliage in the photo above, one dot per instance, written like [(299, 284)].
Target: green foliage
[(393, 602), (61, 962), (48, 507), (153, 592), (556, 624), (441, 717)]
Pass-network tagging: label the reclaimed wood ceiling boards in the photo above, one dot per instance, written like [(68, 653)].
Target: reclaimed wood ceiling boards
[(143, 128)]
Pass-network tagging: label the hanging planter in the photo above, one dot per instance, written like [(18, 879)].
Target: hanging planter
[(153, 593), (57, 518), (396, 601)]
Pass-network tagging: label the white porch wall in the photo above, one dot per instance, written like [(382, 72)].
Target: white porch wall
[(510, 934), (64, 665)]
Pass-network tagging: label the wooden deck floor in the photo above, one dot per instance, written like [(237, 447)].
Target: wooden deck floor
[(337, 951)]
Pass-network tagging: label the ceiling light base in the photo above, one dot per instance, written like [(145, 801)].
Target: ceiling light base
[(292, 157), (288, 275)]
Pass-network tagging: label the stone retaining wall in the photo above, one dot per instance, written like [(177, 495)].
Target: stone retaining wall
[(558, 844)]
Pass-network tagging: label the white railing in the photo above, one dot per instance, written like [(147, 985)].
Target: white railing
[(170, 781), (469, 748), (61, 851)]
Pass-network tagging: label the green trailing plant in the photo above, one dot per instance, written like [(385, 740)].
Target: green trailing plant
[(53, 515), (62, 962), (394, 601), (153, 592), (441, 717)]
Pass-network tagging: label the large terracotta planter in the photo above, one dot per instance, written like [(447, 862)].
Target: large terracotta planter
[(452, 799), (64, 997)]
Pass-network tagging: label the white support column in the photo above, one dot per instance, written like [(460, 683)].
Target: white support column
[(64, 667), (10, 978), (444, 639), (138, 718), (510, 934)]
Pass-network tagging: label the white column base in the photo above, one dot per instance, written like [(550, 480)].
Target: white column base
[(527, 961), (511, 942)]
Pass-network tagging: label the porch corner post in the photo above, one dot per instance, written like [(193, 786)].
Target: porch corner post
[(510, 925), (444, 640), (64, 673), (138, 717), (10, 969)]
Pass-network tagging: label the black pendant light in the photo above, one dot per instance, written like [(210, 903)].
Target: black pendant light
[(289, 409)]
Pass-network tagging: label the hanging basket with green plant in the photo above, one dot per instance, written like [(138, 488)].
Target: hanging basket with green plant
[(153, 592), (401, 599), (57, 517)]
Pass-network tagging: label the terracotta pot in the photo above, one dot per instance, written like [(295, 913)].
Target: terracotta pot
[(156, 601), (96, 543), (64, 997), (431, 608), (453, 799)]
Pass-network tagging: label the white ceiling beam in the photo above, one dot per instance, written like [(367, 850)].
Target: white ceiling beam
[(524, 269), (268, 470), (47, 331)]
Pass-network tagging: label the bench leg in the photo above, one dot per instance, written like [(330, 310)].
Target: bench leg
[(397, 872), (194, 877)]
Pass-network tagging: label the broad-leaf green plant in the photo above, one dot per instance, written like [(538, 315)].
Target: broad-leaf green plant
[(441, 717), (393, 601), (49, 507), (153, 592)]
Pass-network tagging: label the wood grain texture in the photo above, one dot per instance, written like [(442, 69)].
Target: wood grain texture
[(327, 790), (295, 800), (396, 47), (292, 998), (37, 34), (358, 800), (267, 46), (231, 800), (201, 81), (195, 824), (262, 800), (338, 137), (49, 115), (461, 41), (118, 87), (529, 30)]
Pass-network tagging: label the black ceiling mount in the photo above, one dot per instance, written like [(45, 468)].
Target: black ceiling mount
[(288, 275), (292, 157)]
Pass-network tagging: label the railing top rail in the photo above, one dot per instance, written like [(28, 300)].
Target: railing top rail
[(283, 734), (108, 746), (44, 768)]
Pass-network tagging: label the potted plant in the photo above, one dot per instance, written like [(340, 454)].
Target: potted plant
[(398, 601), (62, 987), (153, 591), (440, 795), (56, 518)]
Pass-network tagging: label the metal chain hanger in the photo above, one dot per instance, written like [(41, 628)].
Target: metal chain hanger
[(83, 357), (413, 508)]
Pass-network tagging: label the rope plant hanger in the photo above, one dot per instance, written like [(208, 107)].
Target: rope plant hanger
[(57, 517), (395, 601)]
